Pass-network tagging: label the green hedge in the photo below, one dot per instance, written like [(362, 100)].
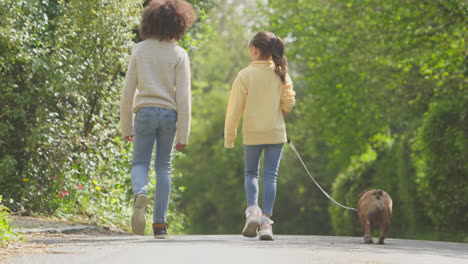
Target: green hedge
[(385, 165), (442, 170)]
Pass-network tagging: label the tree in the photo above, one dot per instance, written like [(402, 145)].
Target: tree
[(62, 65), (368, 72)]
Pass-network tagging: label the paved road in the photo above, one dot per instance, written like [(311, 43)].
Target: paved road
[(227, 249)]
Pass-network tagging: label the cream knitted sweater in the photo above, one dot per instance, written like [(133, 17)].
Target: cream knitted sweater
[(158, 74)]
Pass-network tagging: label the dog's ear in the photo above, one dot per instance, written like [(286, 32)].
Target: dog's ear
[(378, 192), (362, 193)]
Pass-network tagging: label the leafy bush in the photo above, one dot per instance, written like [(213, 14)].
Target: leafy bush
[(441, 161), (62, 76), (346, 189), (62, 68), (385, 165), (7, 234), (359, 66)]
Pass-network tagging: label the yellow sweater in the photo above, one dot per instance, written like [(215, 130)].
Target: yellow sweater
[(259, 95)]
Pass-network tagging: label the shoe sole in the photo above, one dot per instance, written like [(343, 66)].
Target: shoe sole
[(251, 226), (161, 236), (139, 215), (265, 235)]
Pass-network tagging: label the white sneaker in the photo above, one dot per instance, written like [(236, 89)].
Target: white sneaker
[(139, 215), (266, 231), (252, 222)]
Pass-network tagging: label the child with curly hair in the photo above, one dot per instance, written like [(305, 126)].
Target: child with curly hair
[(157, 89)]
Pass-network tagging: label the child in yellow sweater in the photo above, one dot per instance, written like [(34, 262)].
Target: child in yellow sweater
[(263, 94)]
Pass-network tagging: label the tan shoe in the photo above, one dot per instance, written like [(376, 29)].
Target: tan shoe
[(266, 230), (252, 222), (139, 215)]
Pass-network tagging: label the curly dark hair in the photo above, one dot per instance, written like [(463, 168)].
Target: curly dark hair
[(166, 19)]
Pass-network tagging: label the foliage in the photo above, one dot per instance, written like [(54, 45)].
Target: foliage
[(441, 155), (61, 75), (383, 166), (211, 177), (365, 73), (7, 235), (381, 103), (346, 190), (62, 65), (362, 67)]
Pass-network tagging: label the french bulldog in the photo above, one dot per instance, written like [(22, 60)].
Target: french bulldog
[(374, 210)]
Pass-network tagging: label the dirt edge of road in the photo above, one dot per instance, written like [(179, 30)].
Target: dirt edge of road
[(40, 228)]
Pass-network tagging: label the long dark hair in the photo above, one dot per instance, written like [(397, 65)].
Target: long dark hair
[(271, 45)]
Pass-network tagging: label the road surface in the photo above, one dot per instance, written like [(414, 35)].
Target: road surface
[(227, 249)]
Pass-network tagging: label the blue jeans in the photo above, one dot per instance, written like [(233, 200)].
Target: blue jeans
[(271, 162), (154, 124)]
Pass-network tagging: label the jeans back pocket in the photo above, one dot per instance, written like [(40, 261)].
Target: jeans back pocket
[(170, 119)]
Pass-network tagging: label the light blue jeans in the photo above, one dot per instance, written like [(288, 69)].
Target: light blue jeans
[(271, 163), (154, 125)]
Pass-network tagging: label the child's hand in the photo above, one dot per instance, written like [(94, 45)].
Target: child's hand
[(180, 147), (284, 113), (129, 138)]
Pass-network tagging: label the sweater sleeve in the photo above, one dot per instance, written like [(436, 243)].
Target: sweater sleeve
[(183, 99), (127, 99), (288, 96), (234, 110)]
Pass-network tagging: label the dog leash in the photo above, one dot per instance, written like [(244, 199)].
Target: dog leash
[(313, 179)]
